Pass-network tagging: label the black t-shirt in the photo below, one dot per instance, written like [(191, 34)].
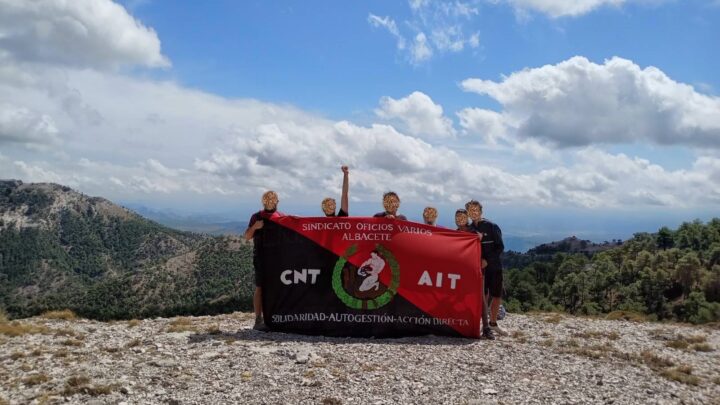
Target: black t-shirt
[(492, 243), (257, 236), (384, 214), (340, 213)]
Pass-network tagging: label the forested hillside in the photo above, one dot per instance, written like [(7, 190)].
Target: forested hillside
[(671, 274), (61, 249)]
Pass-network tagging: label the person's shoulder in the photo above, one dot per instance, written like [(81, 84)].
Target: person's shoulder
[(401, 216), (342, 213), (379, 214)]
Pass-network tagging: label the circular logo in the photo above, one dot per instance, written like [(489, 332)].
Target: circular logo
[(359, 287)]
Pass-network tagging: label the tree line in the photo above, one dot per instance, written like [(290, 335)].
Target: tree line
[(667, 275)]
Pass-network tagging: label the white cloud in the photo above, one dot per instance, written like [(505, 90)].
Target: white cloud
[(205, 145), (389, 24), (577, 102), (619, 180), (83, 33), (435, 27), (418, 114), (487, 124), (161, 138), (563, 8), (24, 126), (420, 51), (34, 173)]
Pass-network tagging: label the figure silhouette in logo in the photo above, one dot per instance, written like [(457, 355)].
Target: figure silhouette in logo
[(371, 269)]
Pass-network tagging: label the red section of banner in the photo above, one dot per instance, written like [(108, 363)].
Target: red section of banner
[(439, 268)]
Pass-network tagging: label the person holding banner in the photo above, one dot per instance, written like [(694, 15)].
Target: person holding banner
[(254, 231), (492, 248), (328, 204), (391, 203), (461, 220), (430, 215)]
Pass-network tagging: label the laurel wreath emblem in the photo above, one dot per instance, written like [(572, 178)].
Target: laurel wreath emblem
[(374, 303)]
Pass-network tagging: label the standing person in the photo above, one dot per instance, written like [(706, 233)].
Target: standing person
[(254, 231), (430, 215), (328, 204), (461, 220), (492, 248), (391, 203)]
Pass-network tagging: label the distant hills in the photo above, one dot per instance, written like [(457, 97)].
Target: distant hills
[(207, 224), (62, 249)]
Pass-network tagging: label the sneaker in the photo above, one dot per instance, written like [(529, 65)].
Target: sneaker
[(498, 330), (487, 334), (260, 324)]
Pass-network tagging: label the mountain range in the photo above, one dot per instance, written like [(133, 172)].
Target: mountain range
[(62, 249)]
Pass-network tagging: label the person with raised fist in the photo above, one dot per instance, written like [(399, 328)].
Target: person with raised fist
[(328, 204)]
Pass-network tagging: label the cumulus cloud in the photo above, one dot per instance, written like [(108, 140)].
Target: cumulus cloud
[(24, 126), (600, 179), (577, 102), (418, 114), (83, 33)]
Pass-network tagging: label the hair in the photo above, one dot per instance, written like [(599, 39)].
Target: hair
[(326, 200), (461, 211), (429, 210), (473, 203), (390, 194), (268, 194)]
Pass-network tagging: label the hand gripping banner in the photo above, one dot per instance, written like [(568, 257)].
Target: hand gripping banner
[(363, 277)]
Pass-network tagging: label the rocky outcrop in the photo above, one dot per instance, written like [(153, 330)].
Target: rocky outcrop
[(547, 358)]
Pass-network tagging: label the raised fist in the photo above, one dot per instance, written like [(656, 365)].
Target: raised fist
[(344, 169)]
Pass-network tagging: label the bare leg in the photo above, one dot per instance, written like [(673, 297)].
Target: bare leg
[(495, 308), (485, 315)]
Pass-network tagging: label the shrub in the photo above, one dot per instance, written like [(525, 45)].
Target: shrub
[(65, 314), (627, 316), (15, 328), (35, 379)]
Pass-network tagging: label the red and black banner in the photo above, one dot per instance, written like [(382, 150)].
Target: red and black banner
[(352, 276)]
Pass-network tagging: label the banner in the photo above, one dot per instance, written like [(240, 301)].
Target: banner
[(352, 276)]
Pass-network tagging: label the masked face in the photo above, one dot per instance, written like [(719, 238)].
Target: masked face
[(328, 206), (430, 215), (270, 201), (391, 204), (461, 219), (475, 213)]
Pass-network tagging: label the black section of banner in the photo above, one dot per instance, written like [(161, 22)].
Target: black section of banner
[(298, 295)]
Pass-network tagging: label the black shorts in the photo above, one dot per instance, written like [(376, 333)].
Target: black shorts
[(494, 282), (257, 276)]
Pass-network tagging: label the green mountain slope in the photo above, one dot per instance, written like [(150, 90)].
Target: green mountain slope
[(62, 249)]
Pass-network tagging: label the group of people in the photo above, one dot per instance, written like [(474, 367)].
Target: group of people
[(468, 219)]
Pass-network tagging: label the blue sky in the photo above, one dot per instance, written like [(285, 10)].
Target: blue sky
[(593, 117), (326, 57)]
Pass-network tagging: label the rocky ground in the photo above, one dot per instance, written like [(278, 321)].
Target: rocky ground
[(547, 358)]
